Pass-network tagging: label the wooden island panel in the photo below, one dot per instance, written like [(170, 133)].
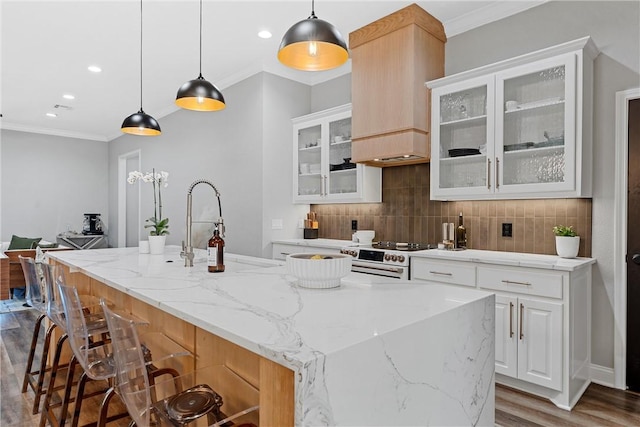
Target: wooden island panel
[(273, 382)]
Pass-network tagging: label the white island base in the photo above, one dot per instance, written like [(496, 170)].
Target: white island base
[(374, 351)]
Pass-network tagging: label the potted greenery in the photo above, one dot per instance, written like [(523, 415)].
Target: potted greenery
[(567, 242)]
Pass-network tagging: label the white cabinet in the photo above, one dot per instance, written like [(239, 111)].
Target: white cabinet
[(529, 340), (506, 338), (322, 167), (516, 129), (542, 316), (450, 272)]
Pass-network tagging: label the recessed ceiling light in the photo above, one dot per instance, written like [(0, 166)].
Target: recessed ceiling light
[(68, 96), (52, 115), (264, 34), (94, 68)]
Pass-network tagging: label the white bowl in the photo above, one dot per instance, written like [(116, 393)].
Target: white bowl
[(365, 236), (322, 273)]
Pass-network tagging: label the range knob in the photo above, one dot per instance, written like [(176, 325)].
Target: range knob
[(353, 253), (400, 258), (394, 257), (387, 257)]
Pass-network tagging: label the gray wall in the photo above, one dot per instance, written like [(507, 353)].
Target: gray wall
[(49, 182), (615, 29), (332, 93), (244, 150)]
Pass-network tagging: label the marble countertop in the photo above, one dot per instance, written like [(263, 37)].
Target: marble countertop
[(372, 338), (517, 259), (255, 303)]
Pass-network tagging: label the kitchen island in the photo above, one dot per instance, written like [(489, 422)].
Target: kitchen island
[(374, 351)]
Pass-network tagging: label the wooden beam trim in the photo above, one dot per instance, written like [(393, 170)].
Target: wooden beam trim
[(410, 15)]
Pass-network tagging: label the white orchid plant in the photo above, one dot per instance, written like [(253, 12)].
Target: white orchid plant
[(159, 226)]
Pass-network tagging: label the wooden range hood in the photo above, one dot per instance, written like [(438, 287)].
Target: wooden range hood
[(392, 58)]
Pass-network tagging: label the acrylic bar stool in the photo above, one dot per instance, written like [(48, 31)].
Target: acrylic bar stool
[(38, 278), (35, 297), (95, 357), (153, 403), (95, 323)]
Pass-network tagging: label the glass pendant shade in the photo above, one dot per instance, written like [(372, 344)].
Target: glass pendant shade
[(141, 123), (313, 45), (200, 95)]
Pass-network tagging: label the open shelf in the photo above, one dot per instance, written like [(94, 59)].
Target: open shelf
[(468, 120), (348, 141), (465, 159), (534, 151), (536, 104)]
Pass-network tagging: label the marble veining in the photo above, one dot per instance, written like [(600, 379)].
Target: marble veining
[(375, 351)]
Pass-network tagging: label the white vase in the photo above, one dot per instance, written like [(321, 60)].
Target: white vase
[(567, 247), (156, 244)]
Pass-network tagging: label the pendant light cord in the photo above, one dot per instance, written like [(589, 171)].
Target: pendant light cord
[(140, 55), (200, 38), (313, 10)]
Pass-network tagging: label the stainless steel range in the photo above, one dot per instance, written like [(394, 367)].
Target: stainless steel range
[(389, 259)]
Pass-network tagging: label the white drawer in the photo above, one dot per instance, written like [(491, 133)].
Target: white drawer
[(455, 273), (519, 280)]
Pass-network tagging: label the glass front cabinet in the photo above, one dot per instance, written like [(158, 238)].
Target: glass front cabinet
[(520, 128), (322, 167)]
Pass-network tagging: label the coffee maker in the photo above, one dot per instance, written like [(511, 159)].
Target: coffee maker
[(92, 224)]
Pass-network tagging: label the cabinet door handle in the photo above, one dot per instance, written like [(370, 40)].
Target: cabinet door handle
[(285, 253), (521, 319), (326, 190), (497, 172), (513, 282), (488, 174), (441, 273), (510, 320)]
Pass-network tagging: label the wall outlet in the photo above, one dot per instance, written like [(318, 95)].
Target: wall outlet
[(301, 223), (276, 224), (507, 229), (354, 224)]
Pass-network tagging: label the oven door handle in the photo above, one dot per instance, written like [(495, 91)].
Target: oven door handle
[(362, 267)]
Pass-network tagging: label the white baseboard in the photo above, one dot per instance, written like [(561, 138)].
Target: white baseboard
[(602, 375)]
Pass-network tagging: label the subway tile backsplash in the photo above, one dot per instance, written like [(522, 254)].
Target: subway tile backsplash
[(407, 214)]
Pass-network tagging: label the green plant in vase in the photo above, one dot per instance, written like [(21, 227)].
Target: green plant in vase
[(567, 241), (562, 230)]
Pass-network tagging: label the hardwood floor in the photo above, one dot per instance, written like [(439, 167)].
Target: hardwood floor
[(16, 329), (599, 406)]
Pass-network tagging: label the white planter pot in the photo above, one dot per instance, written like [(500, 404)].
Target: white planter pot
[(156, 244), (567, 247)]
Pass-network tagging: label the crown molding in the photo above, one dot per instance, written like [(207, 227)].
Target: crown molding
[(485, 15), (54, 132)]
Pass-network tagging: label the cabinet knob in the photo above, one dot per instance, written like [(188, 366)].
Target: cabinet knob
[(635, 258)]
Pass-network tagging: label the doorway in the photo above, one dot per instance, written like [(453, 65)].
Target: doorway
[(128, 201), (633, 247)]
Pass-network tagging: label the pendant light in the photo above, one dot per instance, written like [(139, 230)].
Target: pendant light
[(199, 94), (141, 123), (313, 45)]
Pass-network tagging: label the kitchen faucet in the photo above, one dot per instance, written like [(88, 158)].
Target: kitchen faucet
[(187, 250)]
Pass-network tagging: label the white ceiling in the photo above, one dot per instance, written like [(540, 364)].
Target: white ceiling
[(47, 46)]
